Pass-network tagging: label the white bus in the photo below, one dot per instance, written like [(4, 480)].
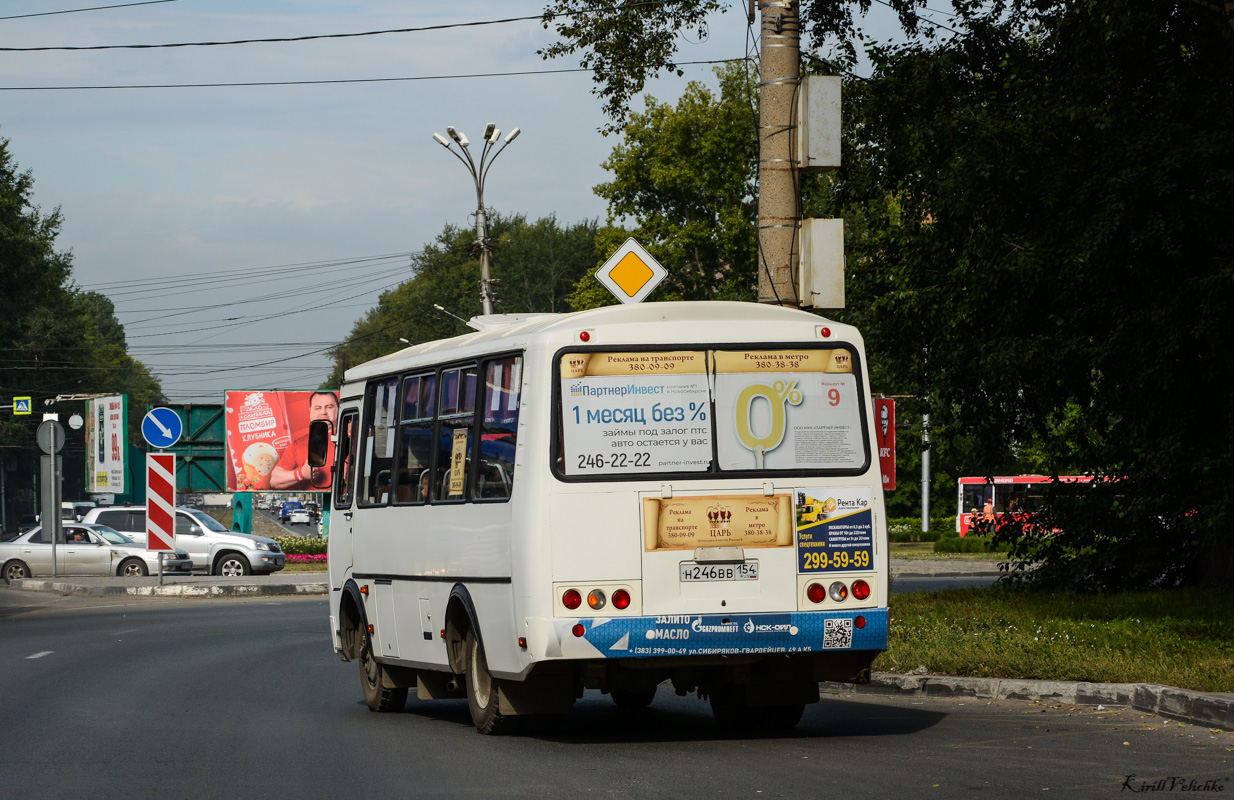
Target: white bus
[(611, 499)]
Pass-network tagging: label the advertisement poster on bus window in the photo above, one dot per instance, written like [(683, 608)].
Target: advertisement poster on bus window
[(107, 435), (267, 440), (885, 435), (788, 409), (835, 529), (635, 412)]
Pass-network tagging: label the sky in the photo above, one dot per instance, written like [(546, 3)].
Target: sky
[(241, 231)]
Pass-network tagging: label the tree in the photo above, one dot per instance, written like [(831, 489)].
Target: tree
[(535, 266), (54, 338), (1056, 276), (1038, 250), (686, 174)]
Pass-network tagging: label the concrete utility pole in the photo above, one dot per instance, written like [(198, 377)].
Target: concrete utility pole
[(778, 222)]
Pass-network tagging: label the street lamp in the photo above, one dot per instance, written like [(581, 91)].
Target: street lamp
[(479, 171)]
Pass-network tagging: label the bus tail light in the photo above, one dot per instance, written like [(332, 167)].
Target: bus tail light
[(861, 590), (859, 622), (816, 593), (621, 599), (578, 630), (839, 592), (571, 599), (596, 599)]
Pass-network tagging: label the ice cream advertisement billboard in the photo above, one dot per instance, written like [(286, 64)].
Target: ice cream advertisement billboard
[(267, 440)]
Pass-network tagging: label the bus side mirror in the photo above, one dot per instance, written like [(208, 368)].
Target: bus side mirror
[(318, 442)]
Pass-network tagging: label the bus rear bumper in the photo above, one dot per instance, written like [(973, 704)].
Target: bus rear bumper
[(707, 634)]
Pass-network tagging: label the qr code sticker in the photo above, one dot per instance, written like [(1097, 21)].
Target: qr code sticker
[(837, 633)]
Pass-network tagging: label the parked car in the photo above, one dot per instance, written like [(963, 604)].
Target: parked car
[(83, 549), (214, 549), (301, 516)]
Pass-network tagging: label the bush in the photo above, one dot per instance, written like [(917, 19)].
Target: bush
[(301, 545)]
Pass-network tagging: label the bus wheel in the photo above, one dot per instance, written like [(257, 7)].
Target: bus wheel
[(377, 696), (483, 692), (633, 699), (733, 713)]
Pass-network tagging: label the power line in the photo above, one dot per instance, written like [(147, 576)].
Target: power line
[(327, 82), (92, 8), (285, 39)]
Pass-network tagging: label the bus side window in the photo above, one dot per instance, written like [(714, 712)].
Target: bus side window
[(499, 427), (456, 424), (376, 473), (345, 470), (415, 439)]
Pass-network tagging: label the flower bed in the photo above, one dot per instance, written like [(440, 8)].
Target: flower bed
[(302, 546), (301, 558)]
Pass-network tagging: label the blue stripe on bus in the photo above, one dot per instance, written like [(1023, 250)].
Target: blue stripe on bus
[(732, 634)]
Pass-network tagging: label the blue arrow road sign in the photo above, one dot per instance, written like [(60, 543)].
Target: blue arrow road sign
[(162, 427)]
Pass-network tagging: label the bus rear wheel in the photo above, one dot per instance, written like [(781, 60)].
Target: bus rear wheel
[(372, 678), (633, 699), (483, 692)]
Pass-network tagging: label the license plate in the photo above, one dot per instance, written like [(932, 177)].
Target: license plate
[(747, 571)]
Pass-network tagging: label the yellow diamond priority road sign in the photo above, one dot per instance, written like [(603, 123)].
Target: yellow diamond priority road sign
[(631, 273)]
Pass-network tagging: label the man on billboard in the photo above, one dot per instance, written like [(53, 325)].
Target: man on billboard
[(293, 473)]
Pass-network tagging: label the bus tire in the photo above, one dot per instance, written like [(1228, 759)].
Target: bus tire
[(372, 679), (484, 692), (633, 699)]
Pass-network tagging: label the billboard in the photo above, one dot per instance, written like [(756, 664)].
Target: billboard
[(885, 435), (267, 440), (107, 436)]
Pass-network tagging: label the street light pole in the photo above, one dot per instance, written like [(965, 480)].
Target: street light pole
[(479, 171)]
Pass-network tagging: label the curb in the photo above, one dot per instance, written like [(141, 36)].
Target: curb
[(172, 590), (1198, 708)]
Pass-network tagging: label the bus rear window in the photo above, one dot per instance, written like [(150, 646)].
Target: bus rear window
[(707, 411)]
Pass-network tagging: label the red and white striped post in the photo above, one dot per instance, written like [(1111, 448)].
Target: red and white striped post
[(160, 504)]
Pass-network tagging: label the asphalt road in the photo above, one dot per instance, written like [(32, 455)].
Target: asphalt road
[(243, 698)]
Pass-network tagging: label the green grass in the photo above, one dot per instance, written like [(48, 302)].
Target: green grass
[(925, 551), (304, 568), (1181, 638)]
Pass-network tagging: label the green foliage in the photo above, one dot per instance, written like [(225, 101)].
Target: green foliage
[(536, 266), (55, 338), (626, 45), (301, 545), (1129, 637), (908, 529), (1055, 277), (685, 175)]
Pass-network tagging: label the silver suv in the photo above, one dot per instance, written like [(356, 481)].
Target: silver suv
[(211, 546)]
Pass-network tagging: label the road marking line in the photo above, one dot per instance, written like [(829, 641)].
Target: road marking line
[(40, 655)]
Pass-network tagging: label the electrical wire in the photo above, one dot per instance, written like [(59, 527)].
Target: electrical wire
[(327, 82), (92, 8), (314, 37)]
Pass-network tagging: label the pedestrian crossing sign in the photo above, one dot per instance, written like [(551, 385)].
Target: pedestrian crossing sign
[(21, 405)]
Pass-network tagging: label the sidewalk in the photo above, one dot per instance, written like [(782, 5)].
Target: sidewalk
[(279, 583), (938, 568)]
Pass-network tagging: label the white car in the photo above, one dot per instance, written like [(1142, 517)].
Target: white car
[(301, 516), (84, 550)]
